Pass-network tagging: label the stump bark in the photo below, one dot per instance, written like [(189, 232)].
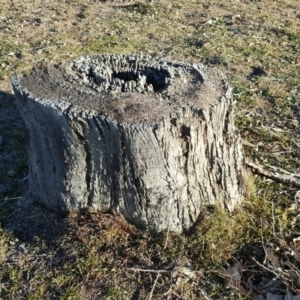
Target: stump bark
[(152, 139)]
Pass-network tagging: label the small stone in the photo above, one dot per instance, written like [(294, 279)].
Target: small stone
[(11, 173)]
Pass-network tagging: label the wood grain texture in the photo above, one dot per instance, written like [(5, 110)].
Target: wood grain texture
[(152, 139)]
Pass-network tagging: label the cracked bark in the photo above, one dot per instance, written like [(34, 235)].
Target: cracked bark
[(151, 139)]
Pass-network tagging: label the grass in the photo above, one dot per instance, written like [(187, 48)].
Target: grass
[(91, 256)]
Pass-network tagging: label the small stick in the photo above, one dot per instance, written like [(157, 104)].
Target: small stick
[(155, 282), (205, 296), (167, 238), (276, 174), (149, 270), (270, 269)]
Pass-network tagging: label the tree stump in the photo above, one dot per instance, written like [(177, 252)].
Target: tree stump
[(152, 139)]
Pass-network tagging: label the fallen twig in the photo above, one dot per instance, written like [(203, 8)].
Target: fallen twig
[(153, 287), (204, 295), (5, 201), (270, 269), (149, 270), (276, 173)]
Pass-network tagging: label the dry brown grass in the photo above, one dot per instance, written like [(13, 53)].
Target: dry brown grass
[(45, 255)]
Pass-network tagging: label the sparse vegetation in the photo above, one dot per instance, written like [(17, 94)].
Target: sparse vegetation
[(46, 255)]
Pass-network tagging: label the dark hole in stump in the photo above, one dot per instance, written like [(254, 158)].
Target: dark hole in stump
[(141, 78)]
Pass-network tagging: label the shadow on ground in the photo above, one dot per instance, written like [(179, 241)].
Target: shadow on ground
[(25, 220), (43, 253)]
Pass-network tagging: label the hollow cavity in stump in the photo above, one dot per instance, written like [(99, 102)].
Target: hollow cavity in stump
[(150, 138)]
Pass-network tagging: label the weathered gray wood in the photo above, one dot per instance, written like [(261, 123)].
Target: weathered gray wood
[(276, 173), (152, 139)]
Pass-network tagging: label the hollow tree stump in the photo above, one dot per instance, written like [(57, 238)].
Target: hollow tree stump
[(153, 139)]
